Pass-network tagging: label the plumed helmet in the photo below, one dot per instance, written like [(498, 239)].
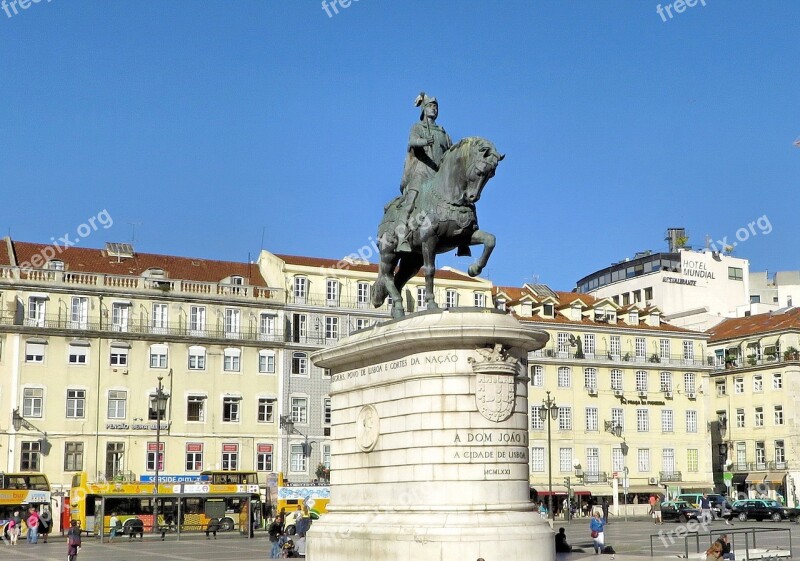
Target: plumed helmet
[(423, 100)]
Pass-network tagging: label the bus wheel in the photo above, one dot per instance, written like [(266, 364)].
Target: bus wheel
[(226, 524)]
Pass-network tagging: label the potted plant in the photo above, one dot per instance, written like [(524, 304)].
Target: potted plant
[(323, 473), (791, 353), (770, 353), (627, 357), (655, 358), (751, 360)]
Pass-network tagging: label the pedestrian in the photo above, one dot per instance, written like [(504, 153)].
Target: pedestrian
[(114, 523), (725, 546), (561, 542), (17, 520), (705, 509), (33, 526), (604, 506), (657, 511), (275, 530), (596, 526), (725, 511), (73, 540), (212, 527), (11, 528), (44, 525)]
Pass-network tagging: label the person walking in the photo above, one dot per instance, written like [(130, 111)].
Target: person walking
[(705, 509), (17, 519), (12, 528), (275, 530), (725, 511), (114, 523), (604, 506), (73, 540), (657, 519), (33, 526), (597, 527)]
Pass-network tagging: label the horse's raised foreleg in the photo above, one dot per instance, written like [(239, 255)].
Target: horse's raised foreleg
[(488, 240), (429, 270)]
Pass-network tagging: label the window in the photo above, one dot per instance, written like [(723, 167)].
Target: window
[(158, 356), (117, 401), (780, 453), (297, 458), (119, 316), (78, 354), (230, 409), (761, 455), (643, 457), (565, 459), (266, 409), (721, 387), (361, 323), (326, 411), (362, 294), (758, 383), (668, 460), (420, 297), (777, 381), (618, 417), (194, 456), (639, 347), (299, 364), (735, 273), (562, 342), (616, 346), (300, 289), (588, 344), (667, 424), (537, 376), (537, 460), (590, 378), (548, 310), (36, 311), (73, 456), (79, 312), (299, 407), (231, 361), (738, 385), (480, 300), (197, 358), (32, 402), (740, 418), (266, 362), (758, 420), (779, 414), (536, 420), (663, 349), (299, 328), (160, 320), (331, 328), (115, 458), (31, 457), (326, 455), (332, 292), (641, 381), (76, 404), (564, 418), (154, 412), (150, 458), (232, 325), (689, 382), (642, 420), (688, 351), (563, 377), (230, 457), (264, 457), (648, 293), (197, 320), (34, 352), (691, 421), (450, 298), (617, 460), (591, 419), (616, 379), (692, 463), (665, 379), (196, 408), (266, 326)]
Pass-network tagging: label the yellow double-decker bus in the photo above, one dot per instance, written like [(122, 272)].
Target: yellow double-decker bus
[(229, 499), (19, 491), (311, 498)]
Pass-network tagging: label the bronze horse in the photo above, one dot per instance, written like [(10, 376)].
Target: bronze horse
[(440, 218)]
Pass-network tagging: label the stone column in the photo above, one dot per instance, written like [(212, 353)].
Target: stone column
[(429, 446)]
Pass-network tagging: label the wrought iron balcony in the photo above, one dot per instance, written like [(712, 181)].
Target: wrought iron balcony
[(670, 476)]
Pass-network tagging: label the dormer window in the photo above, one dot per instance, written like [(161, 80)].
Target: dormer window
[(633, 318), (154, 273), (237, 280), (501, 304), (55, 265), (547, 310)]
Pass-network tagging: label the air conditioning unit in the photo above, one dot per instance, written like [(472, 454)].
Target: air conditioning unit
[(668, 395), (592, 391), (643, 393), (652, 480), (691, 395), (618, 393)]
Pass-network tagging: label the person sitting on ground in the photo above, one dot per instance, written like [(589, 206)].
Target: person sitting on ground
[(714, 553), (726, 547), (561, 542)]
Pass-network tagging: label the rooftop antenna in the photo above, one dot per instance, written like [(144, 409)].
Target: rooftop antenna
[(133, 230), (263, 229)]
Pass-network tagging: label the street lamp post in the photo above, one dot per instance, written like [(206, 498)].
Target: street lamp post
[(616, 430), (288, 425), (548, 411), (161, 405)]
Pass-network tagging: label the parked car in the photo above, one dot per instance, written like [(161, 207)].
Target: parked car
[(680, 511), (761, 509), (694, 499)]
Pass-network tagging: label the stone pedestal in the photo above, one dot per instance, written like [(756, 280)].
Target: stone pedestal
[(429, 452)]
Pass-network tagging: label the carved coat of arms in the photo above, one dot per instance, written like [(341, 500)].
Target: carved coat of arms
[(495, 389)]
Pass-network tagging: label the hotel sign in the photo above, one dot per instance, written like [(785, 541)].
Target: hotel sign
[(137, 426)]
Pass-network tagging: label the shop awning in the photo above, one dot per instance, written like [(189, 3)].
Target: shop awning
[(595, 490), (645, 489), (544, 490), (697, 487), (756, 477), (738, 478), (774, 477)]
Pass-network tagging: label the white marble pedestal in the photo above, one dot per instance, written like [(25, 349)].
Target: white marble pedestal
[(429, 452)]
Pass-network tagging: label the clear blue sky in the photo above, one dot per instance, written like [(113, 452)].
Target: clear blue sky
[(210, 123)]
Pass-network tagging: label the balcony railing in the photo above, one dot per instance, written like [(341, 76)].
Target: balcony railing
[(552, 352), (739, 362), (670, 476), (144, 284)]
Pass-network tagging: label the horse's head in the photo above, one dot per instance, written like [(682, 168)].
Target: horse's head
[(477, 161)]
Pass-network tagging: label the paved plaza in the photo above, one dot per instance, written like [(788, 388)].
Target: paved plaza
[(631, 540)]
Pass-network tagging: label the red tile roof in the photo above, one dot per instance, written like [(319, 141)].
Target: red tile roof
[(734, 328)]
